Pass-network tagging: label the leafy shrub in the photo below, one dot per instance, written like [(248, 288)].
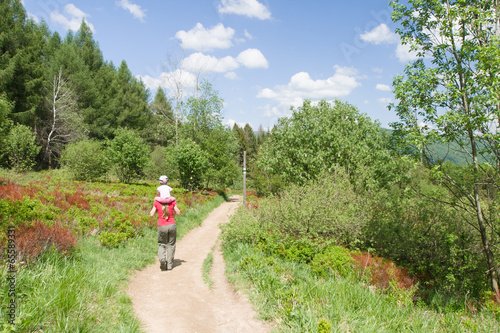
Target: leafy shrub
[(85, 160), (36, 239), (22, 211), (21, 147), (316, 137), (324, 326), (119, 231), (160, 163), (191, 162), (302, 223), (335, 259), (300, 252), (128, 153), (112, 239), (244, 226), (433, 241)]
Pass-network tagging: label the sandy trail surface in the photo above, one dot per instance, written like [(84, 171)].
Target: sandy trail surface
[(180, 301)]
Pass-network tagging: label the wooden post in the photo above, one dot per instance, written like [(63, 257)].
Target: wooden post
[(244, 177)]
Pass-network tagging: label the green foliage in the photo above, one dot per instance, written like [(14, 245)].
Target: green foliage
[(21, 65), (450, 95), (161, 131), (207, 266), (191, 162), (5, 122), (301, 223), (128, 153), (297, 300), (218, 144), (21, 147), (112, 239), (161, 162), (324, 326), (220, 148), (335, 259), (434, 241), (86, 160), (315, 139)]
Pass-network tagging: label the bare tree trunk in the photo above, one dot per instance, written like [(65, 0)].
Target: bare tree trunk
[(492, 270), (56, 86)]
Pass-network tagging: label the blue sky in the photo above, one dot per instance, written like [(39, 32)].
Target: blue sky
[(262, 56)]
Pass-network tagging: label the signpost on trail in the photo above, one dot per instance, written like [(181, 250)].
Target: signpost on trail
[(244, 176)]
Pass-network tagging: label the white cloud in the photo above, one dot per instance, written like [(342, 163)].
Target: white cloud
[(167, 80), (248, 35), (231, 123), (231, 76), (197, 62), (150, 82), (383, 87), (250, 8), (301, 86), (380, 35), (252, 58), (404, 54), (201, 39), (72, 17), (279, 111), (134, 9), (33, 17), (385, 100)]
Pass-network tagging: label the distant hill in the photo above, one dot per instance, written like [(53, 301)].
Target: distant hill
[(447, 152)]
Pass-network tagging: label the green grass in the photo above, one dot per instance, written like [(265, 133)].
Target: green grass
[(207, 266), (83, 293), (86, 292), (290, 295)]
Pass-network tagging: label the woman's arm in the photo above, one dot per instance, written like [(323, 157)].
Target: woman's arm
[(177, 211), (153, 211)]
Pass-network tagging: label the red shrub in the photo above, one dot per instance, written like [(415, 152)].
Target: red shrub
[(251, 193), (11, 191), (381, 271), (77, 199), (188, 201), (33, 240)]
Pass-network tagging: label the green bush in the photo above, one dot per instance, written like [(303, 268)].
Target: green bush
[(160, 163), (25, 210), (301, 223), (5, 122), (335, 259), (324, 326), (85, 160), (119, 230), (21, 147), (112, 239), (128, 153), (191, 162), (431, 239)]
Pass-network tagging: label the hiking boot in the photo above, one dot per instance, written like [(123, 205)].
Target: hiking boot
[(163, 265)]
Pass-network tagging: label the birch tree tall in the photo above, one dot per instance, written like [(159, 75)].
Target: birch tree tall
[(451, 94), (64, 124)]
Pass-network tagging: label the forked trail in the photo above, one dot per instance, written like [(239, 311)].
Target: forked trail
[(180, 301)]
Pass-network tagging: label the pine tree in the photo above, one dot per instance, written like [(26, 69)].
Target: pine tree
[(21, 61)]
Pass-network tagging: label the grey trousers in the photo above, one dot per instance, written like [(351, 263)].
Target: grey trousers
[(167, 235)]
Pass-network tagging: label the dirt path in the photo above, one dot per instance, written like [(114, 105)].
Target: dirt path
[(180, 301)]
